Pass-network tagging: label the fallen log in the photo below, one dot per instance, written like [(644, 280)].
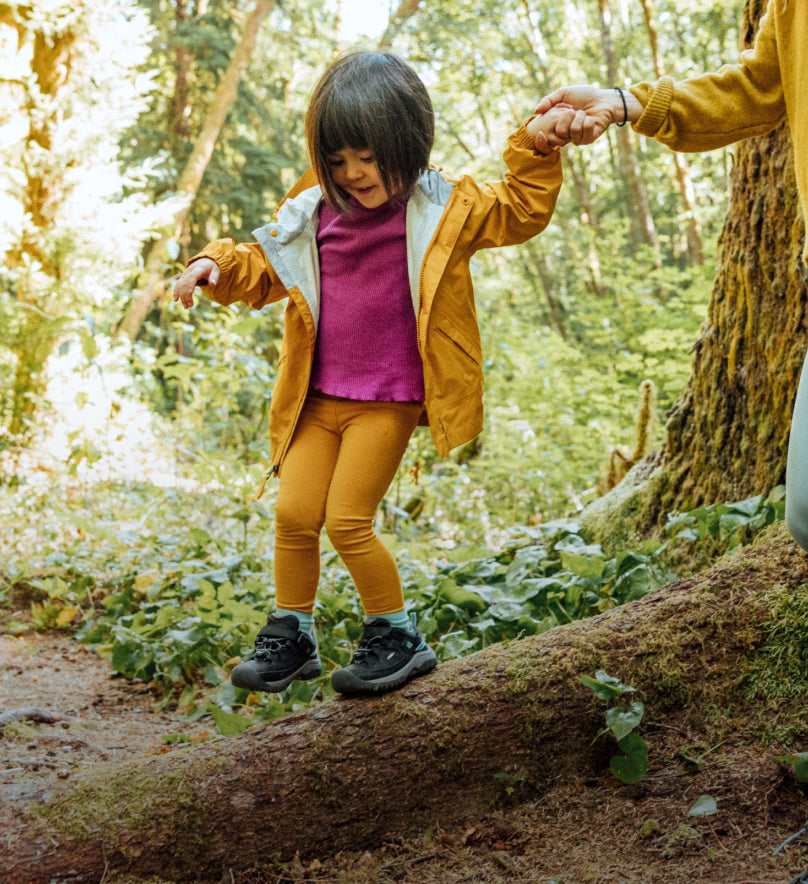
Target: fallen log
[(351, 773)]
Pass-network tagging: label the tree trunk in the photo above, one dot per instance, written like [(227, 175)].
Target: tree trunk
[(181, 110), (406, 9), (350, 774), (683, 181), (536, 62), (642, 221), (727, 435), (157, 261), (536, 265), (588, 219)]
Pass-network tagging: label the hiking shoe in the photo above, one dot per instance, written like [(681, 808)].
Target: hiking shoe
[(385, 658), (282, 654)]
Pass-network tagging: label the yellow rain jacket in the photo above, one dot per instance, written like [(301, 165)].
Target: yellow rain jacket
[(447, 221), (768, 85)]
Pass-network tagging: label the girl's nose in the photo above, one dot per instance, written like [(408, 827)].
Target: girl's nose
[(353, 169)]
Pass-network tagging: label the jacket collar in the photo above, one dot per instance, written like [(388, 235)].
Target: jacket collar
[(290, 241)]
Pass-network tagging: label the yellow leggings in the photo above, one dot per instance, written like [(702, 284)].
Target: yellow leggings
[(341, 461)]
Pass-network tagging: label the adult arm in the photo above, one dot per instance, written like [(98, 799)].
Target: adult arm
[(702, 113)]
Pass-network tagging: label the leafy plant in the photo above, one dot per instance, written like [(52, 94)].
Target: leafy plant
[(179, 606), (622, 721), (732, 523)]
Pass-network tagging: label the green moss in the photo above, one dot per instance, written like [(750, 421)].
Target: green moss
[(122, 804), (682, 839), (613, 519), (780, 668)]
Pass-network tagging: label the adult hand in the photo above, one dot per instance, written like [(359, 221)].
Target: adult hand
[(205, 271), (596, 110)]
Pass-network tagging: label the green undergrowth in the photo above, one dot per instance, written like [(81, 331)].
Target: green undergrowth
[(173, 587)]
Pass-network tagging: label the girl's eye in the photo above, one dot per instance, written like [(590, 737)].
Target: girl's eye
[(370, 159)]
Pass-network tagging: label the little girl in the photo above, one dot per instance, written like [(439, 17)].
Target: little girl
[(372, 250)]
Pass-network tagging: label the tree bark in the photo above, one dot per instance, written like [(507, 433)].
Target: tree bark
[(351, 773), (154, 271), (727, 435)]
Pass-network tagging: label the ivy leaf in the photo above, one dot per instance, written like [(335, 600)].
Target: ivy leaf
[(623, 722), (634, 764), (229, 723), (606, 687)]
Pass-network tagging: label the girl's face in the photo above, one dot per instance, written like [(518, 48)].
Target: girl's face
[(356, 172)]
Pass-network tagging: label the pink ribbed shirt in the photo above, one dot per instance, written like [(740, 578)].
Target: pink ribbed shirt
[(367, 346)]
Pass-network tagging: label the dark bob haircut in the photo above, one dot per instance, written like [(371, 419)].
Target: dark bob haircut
[(371, 100)]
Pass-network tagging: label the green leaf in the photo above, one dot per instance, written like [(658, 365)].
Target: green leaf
[(89, 347), (229, 723), (636, 583), (584, 565), (634, 764), (621, 722), (800, 762), (605, 686), (462, 597), (508, 610), (245, 326)]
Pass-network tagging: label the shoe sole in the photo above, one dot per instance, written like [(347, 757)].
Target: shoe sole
[(346, 682), (245, 676)]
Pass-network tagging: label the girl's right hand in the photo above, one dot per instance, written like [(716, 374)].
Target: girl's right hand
[(205, 271)]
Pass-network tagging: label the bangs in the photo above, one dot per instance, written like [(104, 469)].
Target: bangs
[(345, 123), (373, 101)]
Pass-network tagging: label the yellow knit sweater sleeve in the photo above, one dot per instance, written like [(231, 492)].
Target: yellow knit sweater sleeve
[(713, 110)]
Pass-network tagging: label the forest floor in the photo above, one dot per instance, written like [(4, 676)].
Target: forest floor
[(592, 831)]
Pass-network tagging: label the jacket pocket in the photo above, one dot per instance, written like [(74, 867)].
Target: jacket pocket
[(462, 341), (455, 361)]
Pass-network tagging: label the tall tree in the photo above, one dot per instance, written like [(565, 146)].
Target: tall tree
[(727, 435), (639, 210), (682, 173), (158, 259)]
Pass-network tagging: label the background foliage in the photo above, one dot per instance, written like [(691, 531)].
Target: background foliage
[(169, 431)]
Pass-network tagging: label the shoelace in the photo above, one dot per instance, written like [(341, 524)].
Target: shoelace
[(268, 644), (374, 646)]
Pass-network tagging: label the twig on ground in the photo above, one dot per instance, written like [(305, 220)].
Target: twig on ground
[(30, 713)]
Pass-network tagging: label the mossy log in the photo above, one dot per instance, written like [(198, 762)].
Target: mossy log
[(352, 773)]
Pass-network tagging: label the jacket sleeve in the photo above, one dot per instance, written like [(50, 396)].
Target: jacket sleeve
[(520, 206), (736, 102), (245, 274)]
